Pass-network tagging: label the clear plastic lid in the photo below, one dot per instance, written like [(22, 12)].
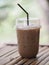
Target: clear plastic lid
[(33, 23)]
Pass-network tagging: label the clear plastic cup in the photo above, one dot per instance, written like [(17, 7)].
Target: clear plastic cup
[(28, 37)]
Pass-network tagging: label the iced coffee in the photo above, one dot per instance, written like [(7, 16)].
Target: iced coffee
[(28, 40)]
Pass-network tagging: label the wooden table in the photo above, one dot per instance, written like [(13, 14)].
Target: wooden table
[(9, 56)]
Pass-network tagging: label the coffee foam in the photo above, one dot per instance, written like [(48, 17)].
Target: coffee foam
[(27, 27)]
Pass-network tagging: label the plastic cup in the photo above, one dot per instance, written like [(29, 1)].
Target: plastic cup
[(28, 37)]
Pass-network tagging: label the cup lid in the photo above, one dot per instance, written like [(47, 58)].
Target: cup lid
[(33, 23)]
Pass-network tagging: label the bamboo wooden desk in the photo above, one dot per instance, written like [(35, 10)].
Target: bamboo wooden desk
[(9, 56)]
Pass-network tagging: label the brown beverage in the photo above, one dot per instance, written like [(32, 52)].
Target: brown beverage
[(28, 41)]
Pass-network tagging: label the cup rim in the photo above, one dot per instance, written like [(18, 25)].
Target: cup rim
[(25, 19)]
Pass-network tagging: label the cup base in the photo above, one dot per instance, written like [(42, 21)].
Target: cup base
[(28, 57)]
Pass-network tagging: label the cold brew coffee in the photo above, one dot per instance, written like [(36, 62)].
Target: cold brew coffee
[(28, 41)]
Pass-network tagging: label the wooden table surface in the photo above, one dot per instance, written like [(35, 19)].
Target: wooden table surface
[(9, 56)]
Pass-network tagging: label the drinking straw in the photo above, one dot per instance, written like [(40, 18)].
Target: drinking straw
[(25, 12)]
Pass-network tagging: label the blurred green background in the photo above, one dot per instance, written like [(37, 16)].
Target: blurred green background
[(9, 12)]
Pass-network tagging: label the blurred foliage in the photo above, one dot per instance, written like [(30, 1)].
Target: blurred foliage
[(9, 12)]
